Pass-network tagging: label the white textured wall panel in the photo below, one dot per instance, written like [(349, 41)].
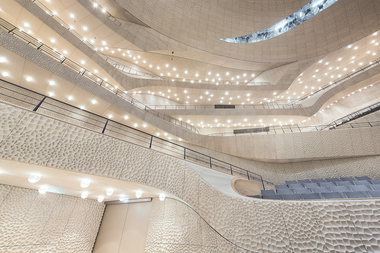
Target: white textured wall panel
[(33, 222), (207, 221)]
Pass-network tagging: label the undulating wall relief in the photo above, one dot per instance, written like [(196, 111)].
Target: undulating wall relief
[(33, 222), (243, 224)]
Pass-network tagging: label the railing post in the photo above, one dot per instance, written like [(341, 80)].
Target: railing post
[(184, 154), (104, 128), (39, 104), (151, 140), (247, 175), (210, 163), (231, 168), (262, 181)]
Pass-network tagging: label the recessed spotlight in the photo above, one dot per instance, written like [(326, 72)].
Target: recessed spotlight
[(109, 191), (93, 101), (34, 178), (43, 189), (29, 79), (5, 74), (138, 194), (162, 197), (85, 183), (84, 195), (100, 198), (70, 98)]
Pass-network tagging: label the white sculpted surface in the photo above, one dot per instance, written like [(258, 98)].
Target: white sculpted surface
[(32, 222), (237, 224)]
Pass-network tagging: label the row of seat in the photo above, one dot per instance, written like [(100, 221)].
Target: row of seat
[(347, 187), (353, 188), (321, 180), (325, 195)]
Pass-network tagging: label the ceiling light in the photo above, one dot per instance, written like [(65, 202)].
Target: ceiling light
[(82, 62), (43, 189), (51, 94), (123, 198), (3, 59), (185, 71), (167, 65), (29, 79), (162, 197), (100, 198), (104, 10), (144, 125), (5, 74), (70, 98), (84, 195), (55, 13), (34, 178), (138, 194), (53, 40), (135, 125), (85, 183), (109, 191)]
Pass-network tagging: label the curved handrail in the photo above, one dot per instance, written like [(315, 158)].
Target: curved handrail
[(37, 44), (355, 115), (272, 105), (41, 103), (297, 129), (340, 80)]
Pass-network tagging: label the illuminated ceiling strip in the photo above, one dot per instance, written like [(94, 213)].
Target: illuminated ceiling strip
[(305, 13)]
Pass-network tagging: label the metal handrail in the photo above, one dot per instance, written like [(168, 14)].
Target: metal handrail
[(353, 116), (53, 53), (216, 82), (297, 129), (43, 104), (127, 69), (85, 41), (272, 105), (131, 70), (340, 80)]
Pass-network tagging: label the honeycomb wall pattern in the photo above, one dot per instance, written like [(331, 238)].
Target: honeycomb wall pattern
[(233, 224), (33, 222)]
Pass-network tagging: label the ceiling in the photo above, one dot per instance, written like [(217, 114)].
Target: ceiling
[(200, 24), (68, 182), (200, 63)]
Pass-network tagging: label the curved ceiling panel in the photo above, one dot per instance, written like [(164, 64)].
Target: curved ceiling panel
[(199, 24)]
